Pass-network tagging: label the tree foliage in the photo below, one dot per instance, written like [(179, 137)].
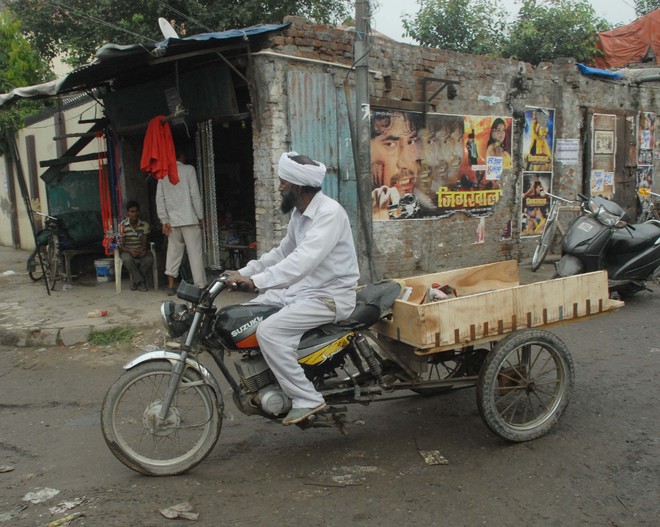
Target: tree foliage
[(20, 65), (543, 30), (76, 28), (644, 7), (549, 29), (468, 26)]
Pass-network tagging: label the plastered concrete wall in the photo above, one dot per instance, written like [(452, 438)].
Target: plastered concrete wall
[(46, 149)]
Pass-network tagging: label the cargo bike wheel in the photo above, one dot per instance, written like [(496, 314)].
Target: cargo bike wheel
[(525, 384)]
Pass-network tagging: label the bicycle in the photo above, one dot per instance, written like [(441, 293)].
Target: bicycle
[(649, 209), (549, 231), (48, 250)]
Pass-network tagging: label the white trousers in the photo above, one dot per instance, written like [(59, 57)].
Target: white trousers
[(190, 237), (279, 336)]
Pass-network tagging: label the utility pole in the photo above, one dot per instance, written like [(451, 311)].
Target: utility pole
[(363, 134)]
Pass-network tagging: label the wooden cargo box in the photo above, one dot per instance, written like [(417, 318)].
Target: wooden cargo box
[(490, 303)]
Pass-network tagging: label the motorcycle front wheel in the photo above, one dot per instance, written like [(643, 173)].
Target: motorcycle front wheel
[(132, 431)]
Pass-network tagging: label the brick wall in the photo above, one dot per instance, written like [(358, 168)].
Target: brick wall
[(408, 247)]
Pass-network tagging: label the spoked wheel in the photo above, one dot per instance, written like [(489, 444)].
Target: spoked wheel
[(52, 263), (525, 385), (543, 246), (129, 420), (450, 365), (34, 264)]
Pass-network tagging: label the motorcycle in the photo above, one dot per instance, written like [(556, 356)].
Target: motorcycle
[(164, 415), (601, 238)]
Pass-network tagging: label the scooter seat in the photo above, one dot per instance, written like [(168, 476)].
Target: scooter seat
[(634, 240)]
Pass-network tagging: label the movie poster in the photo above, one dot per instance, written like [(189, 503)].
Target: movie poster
[(454, 164), (538, 138), (535, 203)]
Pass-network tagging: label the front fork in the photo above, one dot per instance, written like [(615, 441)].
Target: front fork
[(178, 367)]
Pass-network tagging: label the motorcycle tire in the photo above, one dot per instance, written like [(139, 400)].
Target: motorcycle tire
[(525, 385), (130, 409)]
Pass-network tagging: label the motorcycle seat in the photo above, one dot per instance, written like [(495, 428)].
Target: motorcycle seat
[(632, 241), (372, 303)]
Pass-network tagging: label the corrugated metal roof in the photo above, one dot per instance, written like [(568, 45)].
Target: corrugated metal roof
[(128, 62)]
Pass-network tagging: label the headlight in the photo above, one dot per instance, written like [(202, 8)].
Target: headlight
[(176, 318)]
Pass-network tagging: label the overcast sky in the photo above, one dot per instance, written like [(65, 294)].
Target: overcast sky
[(387, 17)]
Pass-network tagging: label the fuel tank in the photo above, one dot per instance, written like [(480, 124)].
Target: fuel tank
[(237, 325)]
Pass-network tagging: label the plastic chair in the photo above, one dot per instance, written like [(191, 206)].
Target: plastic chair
[(119, 266)]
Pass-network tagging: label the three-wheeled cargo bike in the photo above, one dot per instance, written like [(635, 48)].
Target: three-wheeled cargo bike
[(164, 414)]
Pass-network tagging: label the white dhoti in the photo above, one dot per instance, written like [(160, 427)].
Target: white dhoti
[(279, 336)]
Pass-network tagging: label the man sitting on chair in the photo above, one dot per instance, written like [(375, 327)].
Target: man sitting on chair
[(134, 241)]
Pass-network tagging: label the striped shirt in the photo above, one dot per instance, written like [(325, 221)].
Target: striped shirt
[(133, 236)]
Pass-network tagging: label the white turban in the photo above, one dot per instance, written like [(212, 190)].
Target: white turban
[(303, 175)]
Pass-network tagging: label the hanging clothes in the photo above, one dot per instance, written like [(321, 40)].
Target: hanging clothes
[(158, 156)]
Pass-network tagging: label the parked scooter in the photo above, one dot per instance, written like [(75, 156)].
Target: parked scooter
[(602, 238)]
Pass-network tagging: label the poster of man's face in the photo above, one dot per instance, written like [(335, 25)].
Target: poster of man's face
[(418, 171)]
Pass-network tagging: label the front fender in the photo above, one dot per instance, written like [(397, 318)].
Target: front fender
[(172, 357), (569, 265)]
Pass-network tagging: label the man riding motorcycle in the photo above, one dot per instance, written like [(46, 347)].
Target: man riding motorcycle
[(312, 275)]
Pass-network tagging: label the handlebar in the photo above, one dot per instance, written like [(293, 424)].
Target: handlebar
[(553, 196), (647, 193), (52, 218)]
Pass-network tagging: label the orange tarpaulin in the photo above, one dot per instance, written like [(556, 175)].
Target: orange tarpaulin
[(630, 43)]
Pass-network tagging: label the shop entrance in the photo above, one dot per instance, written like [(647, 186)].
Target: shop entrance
[(225, 170)]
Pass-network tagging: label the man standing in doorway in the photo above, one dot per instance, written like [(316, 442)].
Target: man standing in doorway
[(181, 212), (312, 275)]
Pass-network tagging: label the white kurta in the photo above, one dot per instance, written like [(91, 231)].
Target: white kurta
[(316, 259), (313, 275)]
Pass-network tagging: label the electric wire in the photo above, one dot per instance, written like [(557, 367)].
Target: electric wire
[(187, 17), (73, 11)]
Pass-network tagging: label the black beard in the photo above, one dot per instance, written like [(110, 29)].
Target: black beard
[(288, 202)]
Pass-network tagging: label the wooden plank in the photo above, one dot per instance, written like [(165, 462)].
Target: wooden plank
[(73, 159), (494, 312), (467, 281)]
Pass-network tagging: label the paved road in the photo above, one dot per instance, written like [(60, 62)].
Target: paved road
[(598, 467)]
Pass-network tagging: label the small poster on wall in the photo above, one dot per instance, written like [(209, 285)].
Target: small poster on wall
[(645, 143), (603, 150), (535, 203), (538, 139)]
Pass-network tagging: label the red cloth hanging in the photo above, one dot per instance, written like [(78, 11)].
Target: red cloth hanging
[(106, 201), (158, 156)]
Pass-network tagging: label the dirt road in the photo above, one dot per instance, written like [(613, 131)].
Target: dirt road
[(599, 466)]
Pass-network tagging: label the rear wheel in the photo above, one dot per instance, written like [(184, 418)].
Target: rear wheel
[(35, 271), (52, 263), (525, 385), (135, 435), (545, 241)]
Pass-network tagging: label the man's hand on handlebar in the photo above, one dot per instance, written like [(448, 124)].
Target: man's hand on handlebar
[(236, 281)]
